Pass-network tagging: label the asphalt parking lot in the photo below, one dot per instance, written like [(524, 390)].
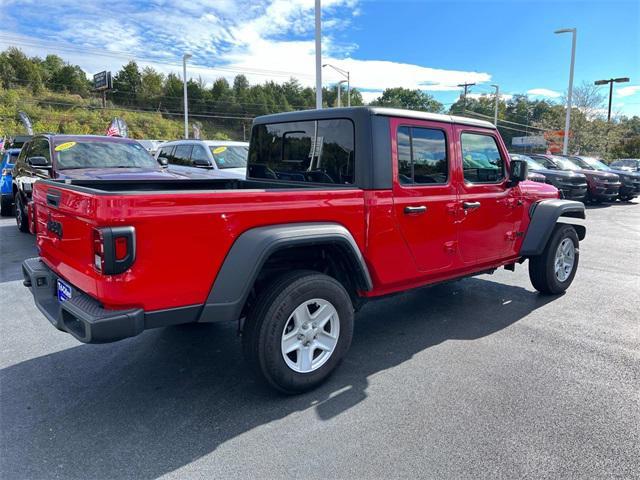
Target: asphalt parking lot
[(478, 378)]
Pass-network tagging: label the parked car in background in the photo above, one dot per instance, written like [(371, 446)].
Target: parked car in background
[(629, 164), (572, 185), (212, 158), (151, 146), (602, 186), (629, 181), (9, 158), (79, 157)]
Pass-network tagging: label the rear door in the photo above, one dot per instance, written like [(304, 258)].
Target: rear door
[(424, 192), (488, 204)]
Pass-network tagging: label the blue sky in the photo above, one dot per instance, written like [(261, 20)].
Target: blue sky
[(432, 45)]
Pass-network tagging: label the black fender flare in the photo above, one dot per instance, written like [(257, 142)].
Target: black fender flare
[(544, 216), (251, 250)]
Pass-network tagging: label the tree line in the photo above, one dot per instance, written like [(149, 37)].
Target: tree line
[(231, 106)]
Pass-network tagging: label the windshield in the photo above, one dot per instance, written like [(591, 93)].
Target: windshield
[(10, 157), (596, 164), (230, 157), (531, 163), (582, 163), (102, 154), (566, 164)]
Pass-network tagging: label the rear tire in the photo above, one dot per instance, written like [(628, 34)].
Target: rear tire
[(311, 315), (21, 214), (553, 271), (6, 207)]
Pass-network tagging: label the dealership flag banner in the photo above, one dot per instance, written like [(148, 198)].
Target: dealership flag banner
[(117, 128), (26, 121)]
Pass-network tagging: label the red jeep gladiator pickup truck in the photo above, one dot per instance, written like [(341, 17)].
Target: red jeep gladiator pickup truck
[(339, 206)]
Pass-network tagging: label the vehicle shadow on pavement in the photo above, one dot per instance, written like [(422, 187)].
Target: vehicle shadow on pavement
[(149, 405), (22, 246)]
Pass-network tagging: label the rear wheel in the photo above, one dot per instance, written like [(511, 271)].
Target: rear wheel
[(553, 271), (21, 214), (6, 207), (299, 331)]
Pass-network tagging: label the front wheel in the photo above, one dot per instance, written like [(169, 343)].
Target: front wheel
[(21, 214), (299, 331), (553, 271)]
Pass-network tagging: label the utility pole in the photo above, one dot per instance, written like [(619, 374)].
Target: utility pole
[(465, 86), (567, 122), (495, 114), (611, 81), (318, 55)]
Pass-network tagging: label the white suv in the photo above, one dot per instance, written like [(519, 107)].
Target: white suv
[(205, 158)]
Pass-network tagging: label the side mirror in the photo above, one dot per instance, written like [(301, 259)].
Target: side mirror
[(163, 161), (519, 171), (200, 163), (39, 162)]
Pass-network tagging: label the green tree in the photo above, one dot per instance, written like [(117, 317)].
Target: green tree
[(151, 87), (126, 84), (410, 99)]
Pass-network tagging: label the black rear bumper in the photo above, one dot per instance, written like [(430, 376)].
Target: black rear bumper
[(84, 318)]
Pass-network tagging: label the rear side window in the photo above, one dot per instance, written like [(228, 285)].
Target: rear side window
[(481, 158), (167, 152), (319, 151), (182, 155), (422, 156)]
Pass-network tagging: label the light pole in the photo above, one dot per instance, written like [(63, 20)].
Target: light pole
[(495, 114), (567, 122), (185, 57), (318, 55), (339, 99), (346, 74), (610, 82)]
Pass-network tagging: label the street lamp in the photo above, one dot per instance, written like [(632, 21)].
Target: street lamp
[(340, 83), (567, 123), (495, 114), (346, 74), (185, 57), (610, 82)]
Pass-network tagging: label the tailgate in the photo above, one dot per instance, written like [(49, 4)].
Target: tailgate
[(64, 228)]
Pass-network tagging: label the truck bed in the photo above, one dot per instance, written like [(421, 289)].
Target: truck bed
[(183, 230), (177, 185)]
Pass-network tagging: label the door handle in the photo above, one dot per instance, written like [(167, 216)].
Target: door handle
[(415, 210), (470, 205)]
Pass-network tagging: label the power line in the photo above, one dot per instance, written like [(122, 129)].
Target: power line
[(89, 107)]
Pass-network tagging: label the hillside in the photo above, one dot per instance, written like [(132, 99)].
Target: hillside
[(69, 113)]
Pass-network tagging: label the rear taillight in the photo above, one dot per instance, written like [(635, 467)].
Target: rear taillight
[(98, 250), (114, 249)]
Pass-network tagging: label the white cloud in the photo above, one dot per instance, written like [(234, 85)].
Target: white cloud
[(627, 91), (544, 92), (370, 96), (266, 39)]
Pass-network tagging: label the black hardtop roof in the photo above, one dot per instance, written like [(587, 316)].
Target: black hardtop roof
[(355, 112)]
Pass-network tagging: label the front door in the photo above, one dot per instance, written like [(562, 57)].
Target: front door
[(424, 192), (487, 201)]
